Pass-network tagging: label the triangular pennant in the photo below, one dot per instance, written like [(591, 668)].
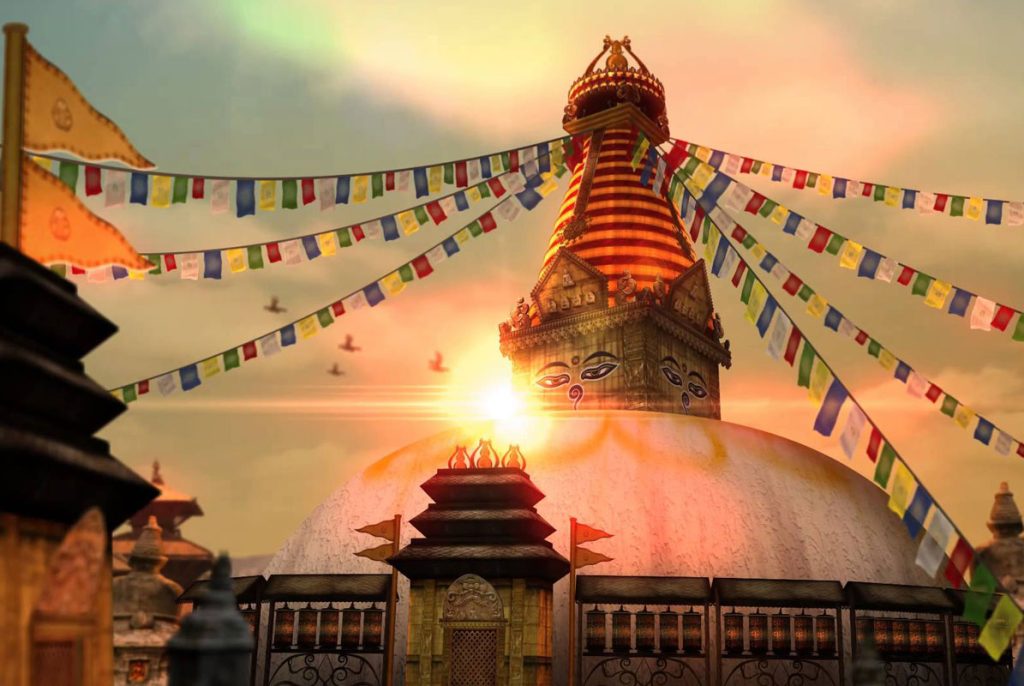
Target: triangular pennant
[(380, 554), (385, 529), (586, 534), (586, 557)]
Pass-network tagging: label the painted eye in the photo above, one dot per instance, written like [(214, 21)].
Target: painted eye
[(553, 381), (698, 392), (598, 372), (672, 376)]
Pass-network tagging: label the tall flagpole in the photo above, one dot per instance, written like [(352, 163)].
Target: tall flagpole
[(13, 132), (389, 641), (572, 601)]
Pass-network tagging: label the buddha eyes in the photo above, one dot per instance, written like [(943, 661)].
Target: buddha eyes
[(553, 380), (697, 391), (598, 372), (672, 376)]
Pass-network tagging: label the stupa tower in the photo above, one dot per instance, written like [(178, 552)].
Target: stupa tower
[(621, 315)]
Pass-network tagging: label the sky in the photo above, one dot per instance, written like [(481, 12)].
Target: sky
[(918, 94)]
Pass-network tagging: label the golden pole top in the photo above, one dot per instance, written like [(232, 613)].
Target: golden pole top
[(13, 132), (15, 27)]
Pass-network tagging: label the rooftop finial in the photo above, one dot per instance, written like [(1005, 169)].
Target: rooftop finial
[(1004, 521), (483, 456), (459, 459), (513, 459), (157, 478)]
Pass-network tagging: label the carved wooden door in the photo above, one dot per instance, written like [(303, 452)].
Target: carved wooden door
[(57, 663)]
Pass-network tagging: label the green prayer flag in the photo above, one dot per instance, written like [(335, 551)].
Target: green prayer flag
[(812, 180), (421, 215), (61, 270), (691, 148), (180, 193), (289, 194), (834, 244), (803, 378), (749, 242), (129, 393), (405, 272), (377, 185), (979, 594), (69, 174), (344, 238), (449, 173), (1018, 333), (156, 262), (691, 165), (705, 230), (325, 317), (505, 160), (756, 167), (634, 153), (805, 293), (560, 170), (767, 208), (884, 468), (949, 404), (879, 192), (485, 190), (956, 206), (255, 256), (921, 284), (874, 348), (475, 229), (568, 147), (231, 359), (748, 285)]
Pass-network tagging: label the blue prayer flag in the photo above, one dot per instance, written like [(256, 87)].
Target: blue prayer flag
[(776, 173), (461, 201), (833, 318), (909, 199), (1017, 677), (914, 517), (485, 167), (825, 422), (390, 227), (450, 245), (419, 177), (533, 180), (211, 264), (543, 158), (983, 432), (374, 295), (311, 246), (529, 198), (839, 188), (766, 316), (769, 262), (341, 190), (189, 377), (792, 222), (118, 272), (958, 305), (714, 191), (245, 197), (716, 158), (720, 253), (994, 212), (140, 188), (902, 371), (288, 335), (869, 264), (645, 174)]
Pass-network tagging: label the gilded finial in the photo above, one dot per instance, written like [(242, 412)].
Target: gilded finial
[(459, 459), (483, 456), (157, 479), (513, 459), (616, 60)]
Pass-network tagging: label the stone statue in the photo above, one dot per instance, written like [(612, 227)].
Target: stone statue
[(520, 318), (626, 289)]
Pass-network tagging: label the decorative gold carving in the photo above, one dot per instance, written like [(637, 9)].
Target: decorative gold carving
[(569, 285), (690, 295), (471, 598), (73, 580), (616, 60), (575, 227)]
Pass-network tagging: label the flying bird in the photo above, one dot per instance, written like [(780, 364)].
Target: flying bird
[(347, 345), (335, 371), (437, 364), (274, 306)]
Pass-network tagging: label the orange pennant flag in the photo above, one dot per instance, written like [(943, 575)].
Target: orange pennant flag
[(586, 534), (381, 553), (586, 557), (57, 117), (56, 227), (385, 530)]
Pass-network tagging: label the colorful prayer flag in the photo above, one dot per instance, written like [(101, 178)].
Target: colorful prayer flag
[(825, 422), (999, 630)]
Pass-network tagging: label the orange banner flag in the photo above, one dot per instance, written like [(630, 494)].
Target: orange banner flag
[(385, 530), (57, 117), (586, 534), (586, 557), (381, 553), (56, 227)]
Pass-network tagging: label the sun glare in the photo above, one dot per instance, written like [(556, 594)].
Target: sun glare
[(500, 403)]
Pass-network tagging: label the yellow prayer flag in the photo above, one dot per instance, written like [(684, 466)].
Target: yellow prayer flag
[(42, 162), (236, 259), (308, 326), (1001, 626), (360, 187), (963, 415), (210, 367), (57, 117), (549, 185), (816, 306), (850, 254), (779, 214), (887, 360), (267, 194), (974, 208), (766, 168), (378, 554), (409, 222), (677, 194), (137, 274), (557, 154), (473, 193), (496, 166), (702, 154), (703, 175), (57, 227), (755, 302), (435, 177), (758, 251), (711, 245), (893, 196), (463, 236), (392, 283), (820, 378), (824, 184), (903, 485), (161, 191), (937, 293), (328, 242)]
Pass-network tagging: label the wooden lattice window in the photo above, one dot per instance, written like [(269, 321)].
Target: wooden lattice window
[(474, 657), (56, 663)]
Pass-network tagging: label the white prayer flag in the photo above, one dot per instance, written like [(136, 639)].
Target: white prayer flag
[(355, 301), (292, 252), (436, 255), (737, 197), (722, 220), (933, 544), (805, 229), (886, 269), (1013, 213), (982, 313), (526, 155), (854, 189), (850, 437), (327, 190), (779, 272), (732, 164), (508, 210), (269, 345), (729, 263), (847, 328), (925, 202), (166, 384), (788, 174), (189, 265), (98, 275), (917, 385), (373, 229), (1003, 443), (116, 188), (514, 183), (403, 179), (473, 173), (220, 195), (530, 169), (779, 336), (448, 205)]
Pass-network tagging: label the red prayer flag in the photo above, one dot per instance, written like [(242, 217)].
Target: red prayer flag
[(792, 284), (513, 161), (338, 308), (959, 561), (739, 233), (862, 337), (800, 180), (436, 213), (389, 181), (487, 223), (357, 233), (940, 202), (1003, 316), (170, 264), (422, 267), (868, 190), (308, 194), (906, 275), (1020, 449), (792, 346), (92, 180), (755, 202), (198, 188), (934, 393), (461, 176), (77, 270), (747, 165), (249, 350), (495, 185), (738, 276), (698, 219), (144, 387), (273, 252), (820, 239), (576, 157), (874, 443), (676, 156)]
